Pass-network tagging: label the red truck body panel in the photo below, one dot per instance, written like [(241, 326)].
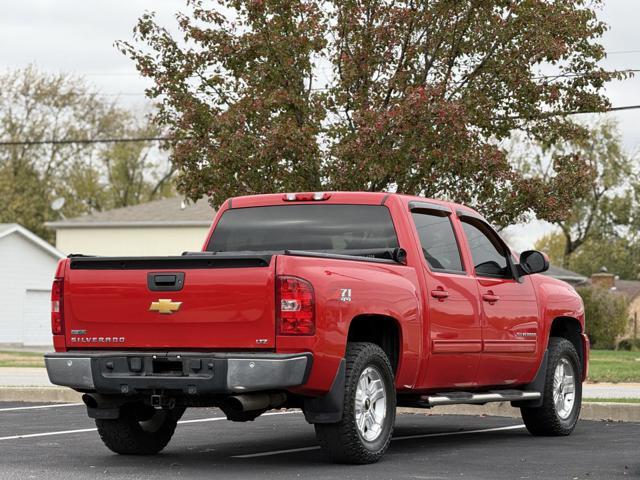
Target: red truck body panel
[(457, 341), (225, 308)]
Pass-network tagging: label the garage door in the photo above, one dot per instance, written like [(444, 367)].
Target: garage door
[(36, 324)]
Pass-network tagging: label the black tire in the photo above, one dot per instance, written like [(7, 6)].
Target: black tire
[(140, 429), (343, 441), (545, 420)]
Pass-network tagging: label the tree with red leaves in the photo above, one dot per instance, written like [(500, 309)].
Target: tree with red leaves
[(417, 95)]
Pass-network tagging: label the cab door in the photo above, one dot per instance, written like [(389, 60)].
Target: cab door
[(510, 315), (452, 333)]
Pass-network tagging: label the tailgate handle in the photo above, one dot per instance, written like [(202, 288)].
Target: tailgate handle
[(165, 281)]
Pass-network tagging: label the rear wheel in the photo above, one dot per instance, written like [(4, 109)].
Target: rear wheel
[(562, 396), (140, 429), (364, 433)]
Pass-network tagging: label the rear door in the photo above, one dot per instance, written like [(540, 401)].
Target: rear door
[(452, 318), (510, 320), (204, 302)]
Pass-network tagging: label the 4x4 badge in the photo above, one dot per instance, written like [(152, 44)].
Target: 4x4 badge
[(165, 305)]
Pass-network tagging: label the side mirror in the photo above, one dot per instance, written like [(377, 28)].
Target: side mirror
[(400, 255), (533, 261)]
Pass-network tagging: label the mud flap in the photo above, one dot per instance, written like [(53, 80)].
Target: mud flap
[(536, 386), (329, 407)]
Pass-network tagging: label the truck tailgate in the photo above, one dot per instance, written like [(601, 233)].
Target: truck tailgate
[(214, 303)]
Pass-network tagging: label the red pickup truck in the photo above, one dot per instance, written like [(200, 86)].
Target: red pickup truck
[(342, 304)]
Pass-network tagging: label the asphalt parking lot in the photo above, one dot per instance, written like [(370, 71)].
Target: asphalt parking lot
[(59, 442)]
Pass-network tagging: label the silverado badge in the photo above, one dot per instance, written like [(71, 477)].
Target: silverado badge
[(165, 305)]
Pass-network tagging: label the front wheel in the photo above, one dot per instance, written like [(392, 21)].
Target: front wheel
[(562, 396), (364, 433), (140, 429)]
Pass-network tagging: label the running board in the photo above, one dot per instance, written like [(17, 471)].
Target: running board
[(457, 398)]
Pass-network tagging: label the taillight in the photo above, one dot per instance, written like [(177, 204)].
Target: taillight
[(57, 307), (295, 307)]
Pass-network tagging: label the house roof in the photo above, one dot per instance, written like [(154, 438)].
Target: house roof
[(7, 229), (630, 288), (174, 212), (566, 275)]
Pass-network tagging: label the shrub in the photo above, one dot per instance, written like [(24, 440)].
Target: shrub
[(606, 315), (629, 344)]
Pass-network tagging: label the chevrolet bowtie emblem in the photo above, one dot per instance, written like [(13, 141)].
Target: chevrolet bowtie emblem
[(165, 305)]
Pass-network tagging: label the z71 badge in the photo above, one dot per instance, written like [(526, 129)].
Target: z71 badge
[(345, 294)]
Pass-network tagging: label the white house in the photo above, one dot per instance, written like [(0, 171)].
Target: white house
[(28, 265), (162, 227)]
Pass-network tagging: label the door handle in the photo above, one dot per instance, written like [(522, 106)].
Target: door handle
[(439, 293), (490, 297)]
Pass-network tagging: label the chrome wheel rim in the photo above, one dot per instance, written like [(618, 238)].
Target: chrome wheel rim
[(371, 404), (564, 388)]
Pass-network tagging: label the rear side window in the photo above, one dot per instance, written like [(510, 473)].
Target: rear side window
[(325, 228), (438, 241)]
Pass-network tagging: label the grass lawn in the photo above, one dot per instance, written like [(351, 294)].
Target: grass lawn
[(604, 365), (21, 359), (611, 400), (614, 366)]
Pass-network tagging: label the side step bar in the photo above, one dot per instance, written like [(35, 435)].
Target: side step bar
[(457, 398)]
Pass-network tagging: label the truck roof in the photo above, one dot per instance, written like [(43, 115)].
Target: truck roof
[(362, 198)]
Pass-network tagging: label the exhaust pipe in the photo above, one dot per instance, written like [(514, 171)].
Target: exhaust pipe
[(255, 401), (89, 400)]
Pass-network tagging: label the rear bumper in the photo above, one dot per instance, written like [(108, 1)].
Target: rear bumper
[(192, 373)]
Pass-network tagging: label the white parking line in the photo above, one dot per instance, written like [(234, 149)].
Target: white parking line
[(277, 452), (63, 432), (262, 454), (12, 409), (461, 432), (408, 437), (84, 430)]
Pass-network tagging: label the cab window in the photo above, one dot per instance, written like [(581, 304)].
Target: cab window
[(487, 251), (438, 241)]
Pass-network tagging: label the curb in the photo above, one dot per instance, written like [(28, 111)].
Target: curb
[(608, 411), (615, 412), (39, 395)]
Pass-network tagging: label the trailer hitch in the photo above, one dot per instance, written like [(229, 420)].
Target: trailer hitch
[(162, 402)]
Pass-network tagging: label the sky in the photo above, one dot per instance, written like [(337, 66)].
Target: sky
[(77, 36)]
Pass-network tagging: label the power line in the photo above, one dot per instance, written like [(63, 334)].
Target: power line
[(132, 74), (89, 140), (574, 75), (622, 52), (169, 139), (617, 109), (544, 115)]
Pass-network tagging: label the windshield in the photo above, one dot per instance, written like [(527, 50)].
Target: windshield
[(304, 227)]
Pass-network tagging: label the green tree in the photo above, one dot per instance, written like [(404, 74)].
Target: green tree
[(607, 315), (605, 214), (277, 95), (35, 107), (617, 254)]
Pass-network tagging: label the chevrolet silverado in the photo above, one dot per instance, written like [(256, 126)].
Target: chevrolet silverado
[(342, 304)]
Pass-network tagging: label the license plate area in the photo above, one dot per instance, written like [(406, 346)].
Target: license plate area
[(165, 366)]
